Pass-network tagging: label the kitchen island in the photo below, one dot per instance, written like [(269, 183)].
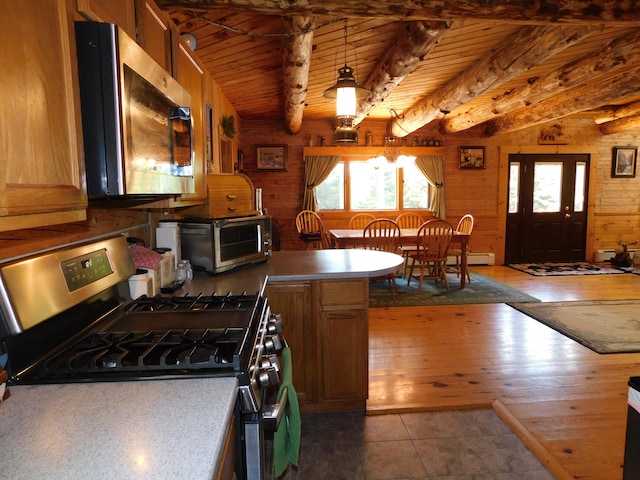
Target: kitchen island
[(296, 266), (116, 430), (323, 296)]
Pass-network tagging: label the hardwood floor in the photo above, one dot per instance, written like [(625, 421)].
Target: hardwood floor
[(568, 403)]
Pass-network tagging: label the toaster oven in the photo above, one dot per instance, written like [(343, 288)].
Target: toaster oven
[(219, 245)]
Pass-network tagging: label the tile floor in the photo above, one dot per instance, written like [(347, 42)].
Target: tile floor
[(451, 445)]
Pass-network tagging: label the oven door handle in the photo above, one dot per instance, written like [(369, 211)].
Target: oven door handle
[(272, 414)]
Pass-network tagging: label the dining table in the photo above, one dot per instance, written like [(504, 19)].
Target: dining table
[(354, 238)]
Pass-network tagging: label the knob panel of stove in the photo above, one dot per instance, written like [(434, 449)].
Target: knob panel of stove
[(275, 325), (273, 344), (268, 377), (270, 361)]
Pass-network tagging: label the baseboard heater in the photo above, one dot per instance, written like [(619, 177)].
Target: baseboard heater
[(476, 259), (606, 255)]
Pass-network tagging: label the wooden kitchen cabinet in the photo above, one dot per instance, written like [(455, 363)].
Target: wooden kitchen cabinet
[(344, 336), (41, 180), (153, 32), (189, 71), (293, 302), (326, 326), (226, 467), (120, 12)]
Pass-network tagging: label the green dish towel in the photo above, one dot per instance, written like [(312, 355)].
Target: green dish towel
[(286, 440)]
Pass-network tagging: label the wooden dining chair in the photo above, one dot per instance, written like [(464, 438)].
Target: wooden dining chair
[(311, 230), (408, 220), (383, 234), (430, 257), (360, 220), (465, 225)]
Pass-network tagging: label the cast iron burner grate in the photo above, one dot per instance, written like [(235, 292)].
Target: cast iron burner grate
[(199, 302), (153, 350)]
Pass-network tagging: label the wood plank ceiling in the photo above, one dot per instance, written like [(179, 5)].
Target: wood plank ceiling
[(505, 68)]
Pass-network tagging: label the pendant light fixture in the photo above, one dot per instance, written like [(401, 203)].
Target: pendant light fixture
[(346, 92), (391, 155)]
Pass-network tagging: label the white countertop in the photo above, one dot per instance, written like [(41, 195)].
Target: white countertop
[(152, 429), (298, 266)]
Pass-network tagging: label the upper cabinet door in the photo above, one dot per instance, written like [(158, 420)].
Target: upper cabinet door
[(120, 12), (40, 156), (154, 34), (190, 73)]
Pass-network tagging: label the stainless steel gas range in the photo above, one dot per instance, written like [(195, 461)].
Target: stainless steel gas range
[(67, 317)]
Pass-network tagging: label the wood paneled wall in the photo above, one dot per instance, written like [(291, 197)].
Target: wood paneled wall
[(614, 202)]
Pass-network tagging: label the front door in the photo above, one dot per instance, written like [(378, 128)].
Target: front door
[(547, 208)]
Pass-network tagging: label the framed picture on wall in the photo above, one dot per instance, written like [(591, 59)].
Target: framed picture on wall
[(271, 157), (470, 157), (623, 162)]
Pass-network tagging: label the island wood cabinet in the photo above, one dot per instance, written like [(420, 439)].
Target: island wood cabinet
[(326, 326), (40, 148)]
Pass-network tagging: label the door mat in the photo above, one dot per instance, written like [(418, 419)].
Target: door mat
[(568, 268), (609, 326), (481, 289)]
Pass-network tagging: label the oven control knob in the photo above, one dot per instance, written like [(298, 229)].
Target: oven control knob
[(275, 324), (270, 361), (268, 377), (272, 344)]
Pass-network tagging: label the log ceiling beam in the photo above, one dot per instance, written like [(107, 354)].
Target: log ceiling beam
[(621, 125), (526, 48), (411, 44), (619, 55), (296, 60), (609, 114), (562, 11), (576, 100)]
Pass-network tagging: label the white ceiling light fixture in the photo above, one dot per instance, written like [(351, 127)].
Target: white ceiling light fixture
[(190, 40), (346, 92), (392, 155)]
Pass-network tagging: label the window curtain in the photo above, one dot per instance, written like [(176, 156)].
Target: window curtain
[(316, 169), (431, 167)]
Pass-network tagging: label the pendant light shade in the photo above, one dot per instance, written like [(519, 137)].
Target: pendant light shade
[(346, 92)]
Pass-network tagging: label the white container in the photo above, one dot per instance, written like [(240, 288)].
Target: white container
[(259, 200), (141, 284), (168, 236)]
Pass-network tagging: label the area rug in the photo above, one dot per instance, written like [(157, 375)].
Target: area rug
[(611, 326), (568, 268), (481, 290)]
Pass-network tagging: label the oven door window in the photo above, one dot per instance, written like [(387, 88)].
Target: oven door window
[(238, 241)]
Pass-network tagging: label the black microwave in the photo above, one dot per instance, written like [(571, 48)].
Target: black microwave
[(136, 119), (219, 245)]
